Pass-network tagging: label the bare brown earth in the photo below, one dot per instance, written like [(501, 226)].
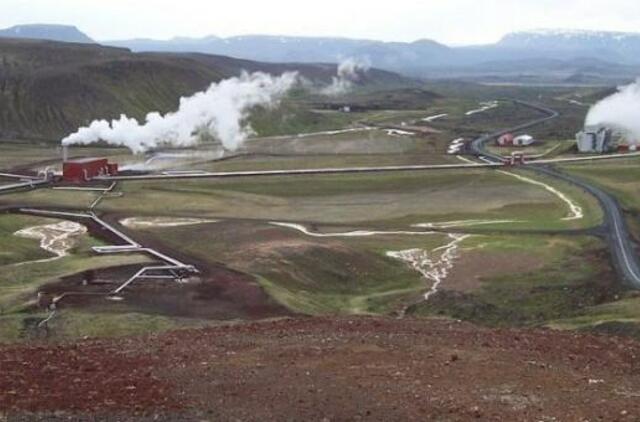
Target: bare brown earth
[(376, 369), (217, 293)]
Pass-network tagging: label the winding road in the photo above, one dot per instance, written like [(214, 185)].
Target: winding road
[(621, 246)]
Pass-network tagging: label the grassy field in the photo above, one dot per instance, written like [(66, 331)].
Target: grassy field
[(575, 280), (563, 282), (622, 316), (390, 200), (261, 162), (19, 283), (50, 197), (619, 317), (72, 324), (498, 279), (620, 177), (293, 117), (507, 114), (15, 249), (368, 142), (539, 218), (310, 275), (377, 200), (306, 274)]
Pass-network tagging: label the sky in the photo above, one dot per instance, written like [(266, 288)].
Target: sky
[(453, 22)]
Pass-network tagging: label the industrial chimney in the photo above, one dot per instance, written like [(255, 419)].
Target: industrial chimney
[(65, 153)]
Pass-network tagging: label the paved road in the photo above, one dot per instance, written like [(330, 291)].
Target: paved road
[(477, 146), (621, 246)]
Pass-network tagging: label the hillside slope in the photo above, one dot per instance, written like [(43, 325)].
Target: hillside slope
[(48, 89)]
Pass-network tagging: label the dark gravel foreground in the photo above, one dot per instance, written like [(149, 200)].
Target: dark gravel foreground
[(334, 369)]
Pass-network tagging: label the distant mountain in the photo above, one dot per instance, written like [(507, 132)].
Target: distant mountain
[(391, 56), (62, 33), (550, 55), (619, 46), (563, 53)]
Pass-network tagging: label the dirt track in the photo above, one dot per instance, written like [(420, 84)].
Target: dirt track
[(330, 369)]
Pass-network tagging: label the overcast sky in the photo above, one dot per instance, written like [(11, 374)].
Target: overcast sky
[(447, 21)]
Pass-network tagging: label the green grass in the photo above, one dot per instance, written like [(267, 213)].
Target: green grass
[(14, 249), (52, 198), (293, 118), (620, 177), (374, 142), (326, 281), (78, 324), (19, 283), (307, 274), (380, 199), (538, 216), (313, 161), (507, 114), (354, 303), (575, 280), (72, 324), (621, 316)]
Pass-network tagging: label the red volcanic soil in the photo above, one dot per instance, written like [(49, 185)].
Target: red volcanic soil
[(377, 369)]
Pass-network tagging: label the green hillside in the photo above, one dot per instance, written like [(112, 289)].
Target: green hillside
[(48, 89)]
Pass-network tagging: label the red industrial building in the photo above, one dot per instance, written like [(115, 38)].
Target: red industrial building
[(85, 169), (505, 140)]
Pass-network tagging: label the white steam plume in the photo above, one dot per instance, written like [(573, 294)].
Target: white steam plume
[(349, 72), (220, 111), (620, 110)]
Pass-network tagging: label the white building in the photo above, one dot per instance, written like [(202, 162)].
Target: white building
[(595, 139), (523, 141)]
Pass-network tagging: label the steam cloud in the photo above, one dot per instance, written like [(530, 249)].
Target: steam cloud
[(349, 72), (221, 111), (620, 110)]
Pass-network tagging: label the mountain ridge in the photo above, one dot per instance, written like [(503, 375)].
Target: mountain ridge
[(52, 32), (417, 57), (431, 59)]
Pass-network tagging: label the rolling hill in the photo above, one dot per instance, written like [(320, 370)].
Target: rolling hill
[(48, 89)]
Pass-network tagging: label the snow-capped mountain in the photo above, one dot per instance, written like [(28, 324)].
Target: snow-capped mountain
[(618, 46), (551, 54)]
